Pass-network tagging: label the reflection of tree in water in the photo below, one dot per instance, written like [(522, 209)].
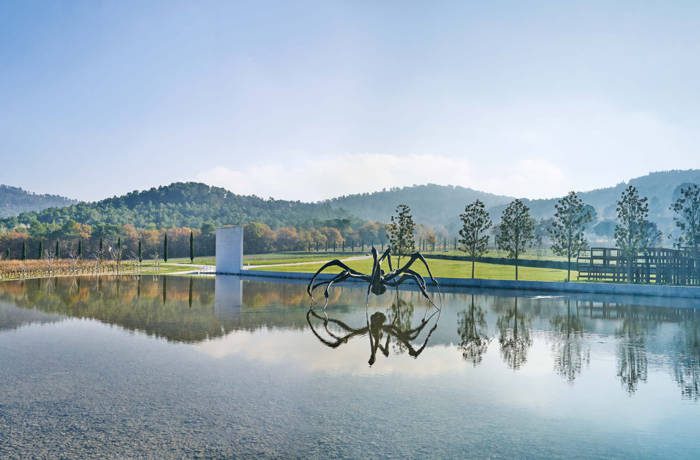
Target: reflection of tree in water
[(400, 314), (473, 333), (570, 350), (631, 353), (686, 365), (514, 336)]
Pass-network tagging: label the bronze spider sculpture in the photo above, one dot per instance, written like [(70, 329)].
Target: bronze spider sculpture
[(378, 280), (377, 328)]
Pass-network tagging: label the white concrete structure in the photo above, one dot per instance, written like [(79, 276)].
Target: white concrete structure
[(229, 250)]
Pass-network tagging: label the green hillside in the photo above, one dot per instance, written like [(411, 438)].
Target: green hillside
[(194, 204), (14, 201), (440, 205), (180, 205), (436, 205)]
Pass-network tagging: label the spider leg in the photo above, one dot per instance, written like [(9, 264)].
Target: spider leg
[(410, 274), (415, 257), (413, 352), (338, 339), (419, 279), (321, 283), (342, 277), (406, 337), (332, 263), (387, 256)]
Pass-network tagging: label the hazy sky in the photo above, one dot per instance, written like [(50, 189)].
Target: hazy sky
[(308, 100)]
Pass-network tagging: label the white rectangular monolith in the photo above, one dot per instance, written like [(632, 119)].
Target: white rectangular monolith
[(229, 250)]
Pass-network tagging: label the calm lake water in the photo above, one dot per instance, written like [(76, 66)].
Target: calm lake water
[(227, 367)]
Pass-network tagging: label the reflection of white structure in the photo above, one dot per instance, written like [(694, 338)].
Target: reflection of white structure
[(229, 250), (228, 296)]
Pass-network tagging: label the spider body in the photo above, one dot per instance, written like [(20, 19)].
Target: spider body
[(378, 280)]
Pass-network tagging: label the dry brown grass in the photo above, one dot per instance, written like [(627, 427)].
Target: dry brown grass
[(18, 269)]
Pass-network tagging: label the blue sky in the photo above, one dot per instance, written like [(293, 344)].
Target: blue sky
[(308, 100)]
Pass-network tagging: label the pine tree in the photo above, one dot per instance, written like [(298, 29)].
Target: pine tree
[(516, 231), (687, 218), (191, 247), (566, 231), (401, 232), (165, 248), (633, 230), (473, 236)]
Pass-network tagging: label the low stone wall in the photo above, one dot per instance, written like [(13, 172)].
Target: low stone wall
[(687, 292)]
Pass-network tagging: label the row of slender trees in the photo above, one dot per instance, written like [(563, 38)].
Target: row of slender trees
[(515, 232), (116, 250)]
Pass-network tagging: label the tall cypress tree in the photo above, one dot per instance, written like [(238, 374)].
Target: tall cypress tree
[(24, 250), (7, 253), (687, 218), (140, 253), (165, 248), (57, 251), (80, 248), (40, 254), (191, 247)]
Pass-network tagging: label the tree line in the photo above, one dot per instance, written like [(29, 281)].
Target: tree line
[(516, 232)]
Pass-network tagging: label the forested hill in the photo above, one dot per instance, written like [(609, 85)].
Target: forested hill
[(179, 205), (194, 204), (14, 201), (661, 188), (439, 205), (431, 204)]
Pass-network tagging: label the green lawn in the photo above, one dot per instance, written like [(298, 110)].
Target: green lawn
[(537, 254), (448, 269), (297, 257), (266, 259), (293, 257), (298, 262)]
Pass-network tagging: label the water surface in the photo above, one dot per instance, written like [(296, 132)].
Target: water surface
[(228, 367)]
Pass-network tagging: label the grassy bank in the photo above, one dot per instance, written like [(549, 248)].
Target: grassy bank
[(445, 268), (285, 262)]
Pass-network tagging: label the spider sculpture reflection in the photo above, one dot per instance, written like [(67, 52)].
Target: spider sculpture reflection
[(378, 280), (378, 328)]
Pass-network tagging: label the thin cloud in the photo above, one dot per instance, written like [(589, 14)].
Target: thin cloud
[(311, 180)]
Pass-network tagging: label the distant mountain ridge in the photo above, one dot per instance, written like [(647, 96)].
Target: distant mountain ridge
[(440, 205), (431, 204), (14, 201), (181, 204), (193, 204)]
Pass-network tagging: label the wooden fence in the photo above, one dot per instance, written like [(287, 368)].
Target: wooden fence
[(655, 265)]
